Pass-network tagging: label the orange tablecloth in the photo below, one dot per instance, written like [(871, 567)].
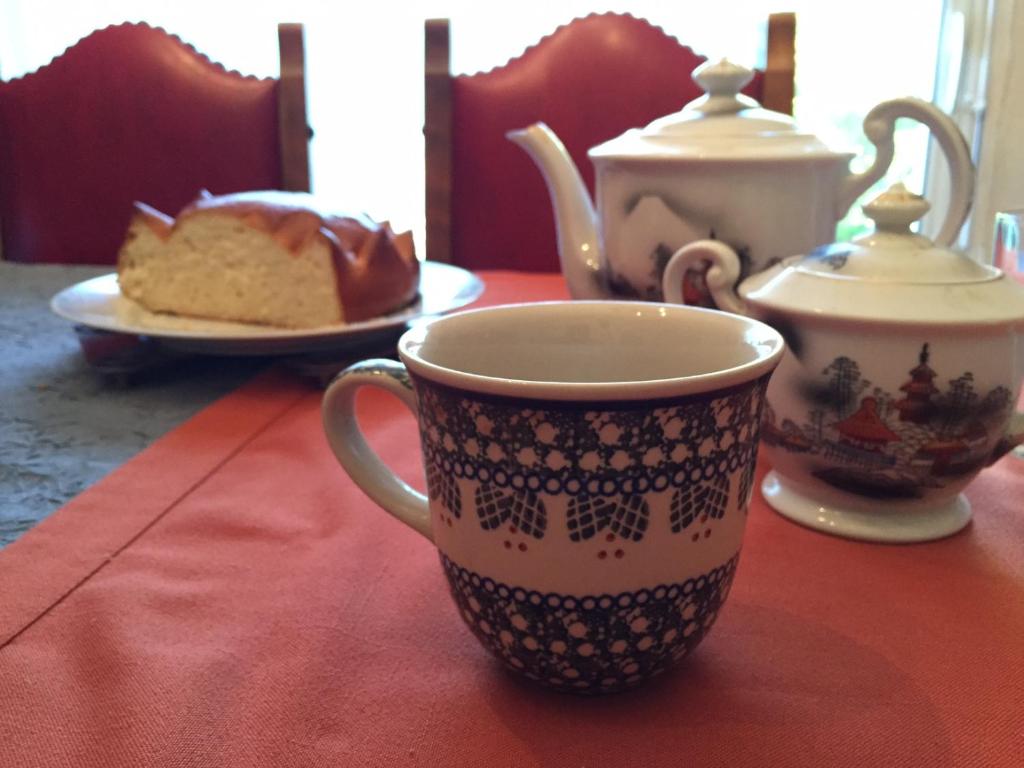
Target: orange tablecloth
[(229, 598)]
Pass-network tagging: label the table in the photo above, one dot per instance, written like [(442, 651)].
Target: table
[(229, 598), (63, 424)]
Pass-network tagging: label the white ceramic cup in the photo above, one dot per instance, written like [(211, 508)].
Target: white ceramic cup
[(589, 467)]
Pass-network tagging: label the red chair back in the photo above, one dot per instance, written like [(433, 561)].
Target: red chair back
[(128, 113), (590, 80)]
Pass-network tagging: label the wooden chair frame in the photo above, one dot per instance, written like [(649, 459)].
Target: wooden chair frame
[(293, 124)]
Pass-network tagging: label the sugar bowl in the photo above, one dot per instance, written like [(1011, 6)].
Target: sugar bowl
[(904, 364)]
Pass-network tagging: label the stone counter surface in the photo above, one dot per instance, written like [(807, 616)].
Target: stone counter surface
[(64, 424)]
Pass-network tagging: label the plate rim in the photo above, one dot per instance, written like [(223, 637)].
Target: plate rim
[(470, 292)]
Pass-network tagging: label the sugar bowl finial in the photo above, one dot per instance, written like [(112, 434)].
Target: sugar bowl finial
[(896, 209)]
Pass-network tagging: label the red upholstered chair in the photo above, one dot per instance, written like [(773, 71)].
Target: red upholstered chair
[(133, 113), (590, 80)]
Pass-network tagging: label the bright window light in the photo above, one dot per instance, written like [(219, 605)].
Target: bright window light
[(365, 68)]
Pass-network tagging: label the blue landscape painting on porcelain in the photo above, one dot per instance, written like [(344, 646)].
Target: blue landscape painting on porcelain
[(835, 255), (886, 445), (695, 290), (652, 229)]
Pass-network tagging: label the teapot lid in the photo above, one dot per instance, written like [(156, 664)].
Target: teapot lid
[(721, 124), (889, 274)]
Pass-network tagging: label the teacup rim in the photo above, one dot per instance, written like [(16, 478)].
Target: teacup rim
[(770, 349)]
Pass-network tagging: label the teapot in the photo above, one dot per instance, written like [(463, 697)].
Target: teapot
[(904, 363), (722, 169)]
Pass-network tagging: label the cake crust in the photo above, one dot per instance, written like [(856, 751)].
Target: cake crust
[(372, 270)]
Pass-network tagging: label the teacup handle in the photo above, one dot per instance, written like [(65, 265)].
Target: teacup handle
[(880, 128), (721, 278), (361, 462)]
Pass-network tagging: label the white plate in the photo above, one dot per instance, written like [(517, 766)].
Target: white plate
[(98, 303)]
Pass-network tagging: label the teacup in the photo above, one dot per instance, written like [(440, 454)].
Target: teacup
[(589, 467)]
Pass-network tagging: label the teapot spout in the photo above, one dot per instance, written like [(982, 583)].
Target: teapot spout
[(579, 248)]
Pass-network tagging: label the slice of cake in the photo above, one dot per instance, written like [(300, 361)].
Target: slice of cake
[(271, 258)]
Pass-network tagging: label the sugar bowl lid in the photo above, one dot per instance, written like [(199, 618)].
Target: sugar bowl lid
[(721, 124), (889, 274)]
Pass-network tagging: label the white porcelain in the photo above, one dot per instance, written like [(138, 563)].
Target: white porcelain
[(904, 364), (587, 491), (722, 170), (98, 303)]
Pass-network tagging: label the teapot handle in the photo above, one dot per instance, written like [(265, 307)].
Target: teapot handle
[(879, 127)]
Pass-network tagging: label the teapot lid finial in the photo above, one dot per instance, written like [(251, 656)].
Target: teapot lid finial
[(722, 77), (896, 209), (722, 82)]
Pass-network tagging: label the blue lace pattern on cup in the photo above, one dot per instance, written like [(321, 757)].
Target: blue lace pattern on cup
[(605, 458), (590, 644)]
